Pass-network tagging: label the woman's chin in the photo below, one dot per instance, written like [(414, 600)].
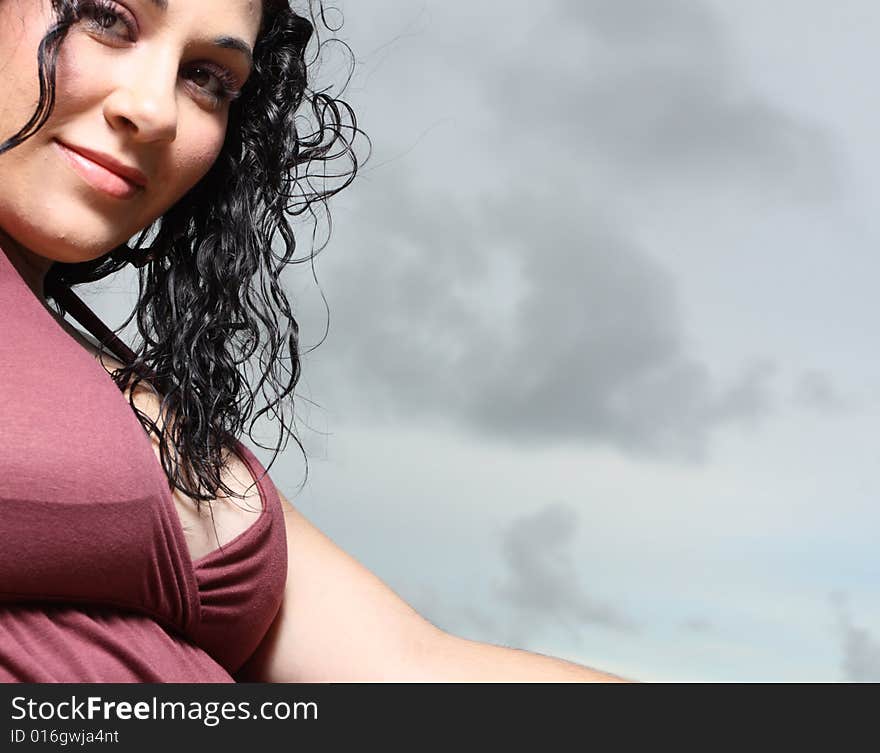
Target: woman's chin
[(64, 248), (70, 238)]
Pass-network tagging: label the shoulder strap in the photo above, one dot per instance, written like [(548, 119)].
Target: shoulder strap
[(85, 316), (73, 304)]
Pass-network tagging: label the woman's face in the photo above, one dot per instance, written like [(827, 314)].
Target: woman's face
[(140, 116)]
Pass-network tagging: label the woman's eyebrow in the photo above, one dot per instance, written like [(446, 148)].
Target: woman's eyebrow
[(233, 43)]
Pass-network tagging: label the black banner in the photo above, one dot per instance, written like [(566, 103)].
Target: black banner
[(540, 716)]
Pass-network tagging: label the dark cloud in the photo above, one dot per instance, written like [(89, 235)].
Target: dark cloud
[(815, 390), (529, 318), (505, 287), (698, 625), (650, 97), (859, 646), (861, 660), (542, 585), (538, 591), (652, 23)]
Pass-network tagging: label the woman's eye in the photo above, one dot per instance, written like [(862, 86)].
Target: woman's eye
[(204, 78), (218, 86), (105, 19)]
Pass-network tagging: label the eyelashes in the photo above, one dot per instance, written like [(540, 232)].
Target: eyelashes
[(114, 24), (101, 16), (229, 89)]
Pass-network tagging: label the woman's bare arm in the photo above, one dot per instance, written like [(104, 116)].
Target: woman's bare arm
[(340, 623)]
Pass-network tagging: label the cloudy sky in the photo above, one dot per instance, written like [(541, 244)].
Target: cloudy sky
[(600, 379)]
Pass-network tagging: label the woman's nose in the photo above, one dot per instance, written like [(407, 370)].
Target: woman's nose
[(146, 108)]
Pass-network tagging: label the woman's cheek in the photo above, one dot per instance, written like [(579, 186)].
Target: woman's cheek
[(22, 27), (79, 62), (200, 156)]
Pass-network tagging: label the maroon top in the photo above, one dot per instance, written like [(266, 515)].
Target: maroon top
[(96, 580)]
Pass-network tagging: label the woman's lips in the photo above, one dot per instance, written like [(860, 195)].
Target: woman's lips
[(98, 176)]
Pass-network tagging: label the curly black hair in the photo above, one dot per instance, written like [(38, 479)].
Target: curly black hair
[(209, 268)]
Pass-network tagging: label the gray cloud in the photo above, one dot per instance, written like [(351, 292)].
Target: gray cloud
[(656, 23), (815, 390), (526, 318), (538, 590), (523, 303), (861, 662), (698, 625), (650, 97), (859, 647), (542, 584)]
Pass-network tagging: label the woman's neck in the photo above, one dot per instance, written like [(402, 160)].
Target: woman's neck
[(30, 266)]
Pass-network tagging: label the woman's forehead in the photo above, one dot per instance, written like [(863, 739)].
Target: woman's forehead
[(239, 17)]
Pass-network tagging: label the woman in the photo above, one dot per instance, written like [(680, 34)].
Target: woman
[(173, 121)]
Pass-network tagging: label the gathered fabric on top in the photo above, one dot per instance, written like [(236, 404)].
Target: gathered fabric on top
[(97, 583)]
